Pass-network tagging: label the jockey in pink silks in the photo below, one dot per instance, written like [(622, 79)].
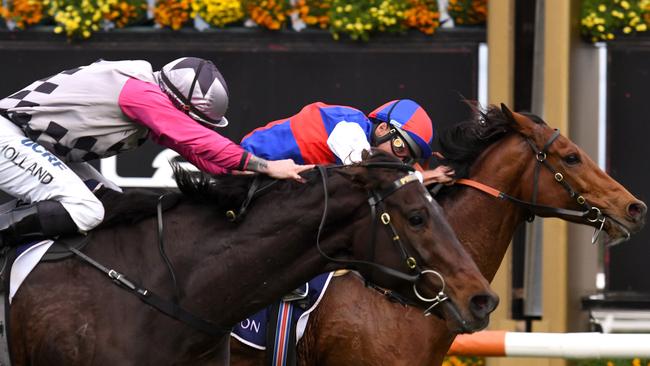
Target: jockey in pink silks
[(51, 128)]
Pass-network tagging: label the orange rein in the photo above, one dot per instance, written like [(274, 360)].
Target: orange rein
[(481, 187)]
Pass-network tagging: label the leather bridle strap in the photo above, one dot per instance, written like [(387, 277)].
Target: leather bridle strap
[(253, 191), (361, 263), (527, 205), (376, 200), (592, 214), (540, 156)]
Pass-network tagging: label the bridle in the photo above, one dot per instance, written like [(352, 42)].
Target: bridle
[(590, 213), (377, 210), (174, 310)]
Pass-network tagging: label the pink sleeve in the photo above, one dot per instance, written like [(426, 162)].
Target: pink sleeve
[(146, 104)]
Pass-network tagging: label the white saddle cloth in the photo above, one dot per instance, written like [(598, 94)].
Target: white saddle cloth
[(25, 263)]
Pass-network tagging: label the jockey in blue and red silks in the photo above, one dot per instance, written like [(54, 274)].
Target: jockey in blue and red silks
[(49, 129), (327, 134)]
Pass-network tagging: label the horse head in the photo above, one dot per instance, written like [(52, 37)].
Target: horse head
[(410, 236), (560, 179)]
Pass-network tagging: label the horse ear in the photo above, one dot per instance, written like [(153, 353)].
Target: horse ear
[(507, 112), (520, 123)]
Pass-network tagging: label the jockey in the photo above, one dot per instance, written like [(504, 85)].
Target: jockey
[(49, 130), (327, 134)]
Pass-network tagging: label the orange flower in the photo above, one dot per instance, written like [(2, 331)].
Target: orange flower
[(271, 14), (314, 12), (172, 13), (468, 11), (23, 12), (423, 15)]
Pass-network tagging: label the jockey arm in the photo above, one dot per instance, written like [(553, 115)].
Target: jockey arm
[(146, 104), (347, 141)]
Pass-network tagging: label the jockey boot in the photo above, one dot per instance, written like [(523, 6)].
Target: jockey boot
[(35, 221)]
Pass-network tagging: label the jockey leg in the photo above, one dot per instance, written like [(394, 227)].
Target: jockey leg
[(33, 174), (35, 221)]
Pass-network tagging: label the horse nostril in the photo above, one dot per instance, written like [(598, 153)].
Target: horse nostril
[(482, 305), (637, 210)]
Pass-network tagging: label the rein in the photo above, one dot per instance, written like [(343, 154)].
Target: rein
[(174, 310), (590, 213), (169, 308), (253, 191), (375, 201)]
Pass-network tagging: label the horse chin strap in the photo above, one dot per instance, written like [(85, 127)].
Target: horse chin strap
[(375, 201), (590, 213)]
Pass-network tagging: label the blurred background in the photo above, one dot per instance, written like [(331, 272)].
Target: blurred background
[(583, 66)]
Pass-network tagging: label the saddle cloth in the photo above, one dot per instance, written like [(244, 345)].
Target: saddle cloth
[(252, 331), (28, 256)]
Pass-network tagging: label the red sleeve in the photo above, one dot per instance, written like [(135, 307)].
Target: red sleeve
[(146, 104)]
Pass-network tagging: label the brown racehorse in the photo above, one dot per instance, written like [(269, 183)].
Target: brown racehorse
[(69, 313), (354, 325)]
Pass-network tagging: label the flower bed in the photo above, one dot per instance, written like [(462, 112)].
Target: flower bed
[(605, 20), (353, 19)]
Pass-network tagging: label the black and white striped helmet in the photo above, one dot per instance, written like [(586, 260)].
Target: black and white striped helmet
[(197, 88)]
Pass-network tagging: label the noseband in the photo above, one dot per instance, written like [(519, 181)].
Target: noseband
[(590, 213), (376, 202)]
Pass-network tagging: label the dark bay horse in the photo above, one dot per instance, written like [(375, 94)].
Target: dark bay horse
[(69, 313), (354, 325)]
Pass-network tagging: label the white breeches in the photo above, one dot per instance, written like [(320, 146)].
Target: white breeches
[(31, 173)]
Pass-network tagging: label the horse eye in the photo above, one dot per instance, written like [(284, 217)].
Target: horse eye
[(572, 159), (416, 220)]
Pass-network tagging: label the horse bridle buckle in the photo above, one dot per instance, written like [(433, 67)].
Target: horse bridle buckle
[(411, 263)]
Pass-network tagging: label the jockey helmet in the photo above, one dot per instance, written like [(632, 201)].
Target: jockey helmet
[(197, 88), (410, 121)]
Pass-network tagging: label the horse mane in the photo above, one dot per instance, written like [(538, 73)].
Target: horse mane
[(133, 205), (462, 143), (229, 191), (224, 191)]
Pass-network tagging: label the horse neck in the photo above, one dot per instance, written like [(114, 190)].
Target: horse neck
[(269, 253), (485, 224)]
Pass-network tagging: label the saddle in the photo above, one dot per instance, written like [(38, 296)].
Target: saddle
[(131, 207), (278, 327)]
